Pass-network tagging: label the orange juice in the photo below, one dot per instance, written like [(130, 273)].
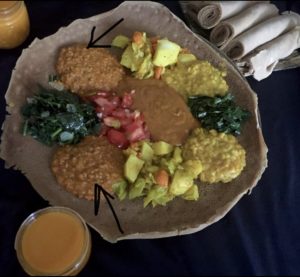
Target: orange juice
[(14, 23), (55, 241)]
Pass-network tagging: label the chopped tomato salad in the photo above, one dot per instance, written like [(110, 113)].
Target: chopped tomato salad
[(121, 124)]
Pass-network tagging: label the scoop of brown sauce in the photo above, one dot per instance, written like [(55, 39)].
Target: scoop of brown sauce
[(166, 113)]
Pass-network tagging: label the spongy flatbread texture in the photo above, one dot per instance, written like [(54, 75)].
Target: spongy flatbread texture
[(33, 159)]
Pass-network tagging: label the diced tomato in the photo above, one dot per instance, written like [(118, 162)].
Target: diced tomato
[(117, 138), (91, 97), (119, 113), (136, 114), (125, 122), (136, 135), (116, 101), (104, 106), (99, 112), (115, 113), (101, 101), (124, 116), (139, 120), (98, 95), (127, 100), (132, 127), (104, 130), (103, 93), (112, 122)]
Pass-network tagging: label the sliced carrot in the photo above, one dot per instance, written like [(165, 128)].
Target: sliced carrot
[(158, 71), (153, 48), (153, 41), (137, 38), (161, 178)]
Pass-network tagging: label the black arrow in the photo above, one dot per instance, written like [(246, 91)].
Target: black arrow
[(97, 196), (92, 43)]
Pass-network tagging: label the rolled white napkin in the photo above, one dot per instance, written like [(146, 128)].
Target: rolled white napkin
[(260, 34), (233, 26), (210, 13), (263, 59)]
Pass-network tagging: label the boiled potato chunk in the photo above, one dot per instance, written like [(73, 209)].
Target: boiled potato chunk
[(177, 155), (120, 189), (162, 148), (132, 168), (120, 41), (193, 167), (181, 182), (136, 190), (192, 193), (185, 58), (130, 60), (146, 152), (166, 53)]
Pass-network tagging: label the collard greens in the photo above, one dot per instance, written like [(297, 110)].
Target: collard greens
[(58, 117)]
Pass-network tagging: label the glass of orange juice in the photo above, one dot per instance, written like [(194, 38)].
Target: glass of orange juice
[(14, 24), (53, 241)]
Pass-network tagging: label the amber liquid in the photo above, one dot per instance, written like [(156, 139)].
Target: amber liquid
[(53, 242), (14, 24), (6, 4)]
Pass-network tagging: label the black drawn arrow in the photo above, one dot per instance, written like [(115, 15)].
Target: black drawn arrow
[(92, 43), (97, 196)]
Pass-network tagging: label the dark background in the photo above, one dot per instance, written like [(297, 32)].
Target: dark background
[(259, 236)]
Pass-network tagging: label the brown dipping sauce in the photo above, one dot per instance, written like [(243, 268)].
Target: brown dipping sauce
[(166, 113)]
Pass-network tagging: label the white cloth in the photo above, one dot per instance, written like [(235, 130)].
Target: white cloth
[(210, 13), (262, 60), (260, 34), (233, 26)]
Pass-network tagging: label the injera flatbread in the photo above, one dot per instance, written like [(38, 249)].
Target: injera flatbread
[(261, 34), (244, 20), (33, 159), (262, 61), (211, 13)]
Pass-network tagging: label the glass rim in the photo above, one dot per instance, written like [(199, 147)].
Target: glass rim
[(30, 219), (11, 9)]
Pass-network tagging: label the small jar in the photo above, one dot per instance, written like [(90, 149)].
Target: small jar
[(14, 24), (54, 241)]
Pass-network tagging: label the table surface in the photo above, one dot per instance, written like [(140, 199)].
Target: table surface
[(259, 236)]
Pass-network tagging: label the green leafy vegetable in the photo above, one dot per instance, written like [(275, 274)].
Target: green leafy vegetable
[(219, 113), (58, 117)]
